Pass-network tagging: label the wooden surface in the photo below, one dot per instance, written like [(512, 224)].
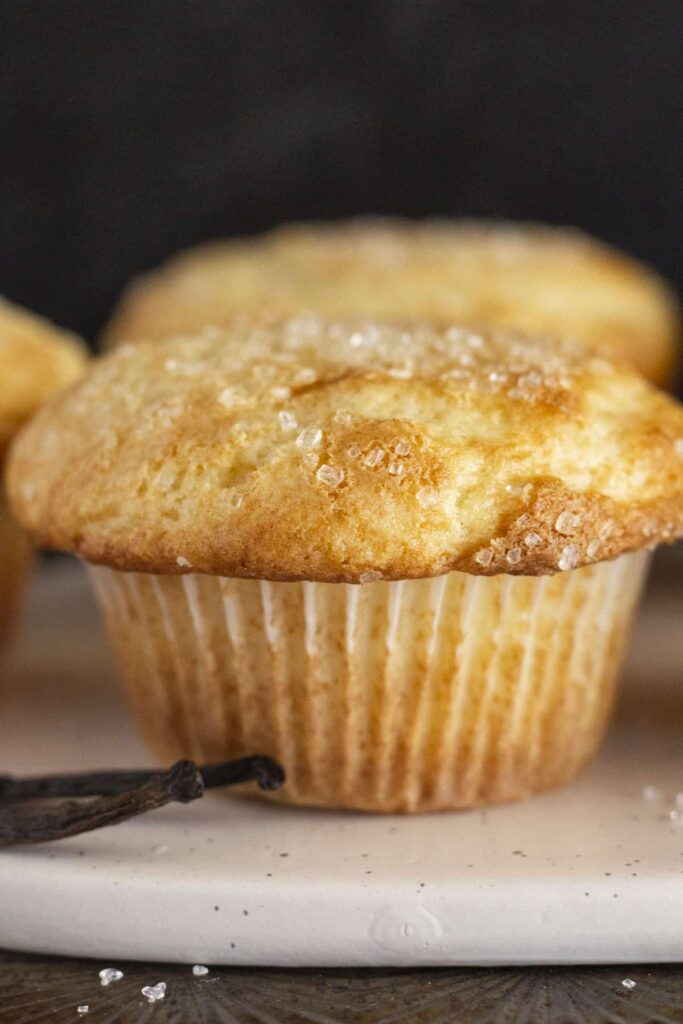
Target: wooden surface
[(39, 989)]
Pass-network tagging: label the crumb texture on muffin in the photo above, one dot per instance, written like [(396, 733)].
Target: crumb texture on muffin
[(37, 359), (346, 451), (524, 276)]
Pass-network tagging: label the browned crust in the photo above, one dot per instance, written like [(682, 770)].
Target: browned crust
[(37, 359), (143, 468)]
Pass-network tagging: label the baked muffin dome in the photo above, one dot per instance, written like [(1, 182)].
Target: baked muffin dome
[(37, 359), (527, 277), (347, 451)]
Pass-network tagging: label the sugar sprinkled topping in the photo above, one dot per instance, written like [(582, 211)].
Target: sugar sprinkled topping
[(200, 970), (568, 558), (427, 497), (227, 397), (83, 1009), (330, 475), (593, 548), (311, 437), (109, 974), (374, 457), (287, 420), (306, 375), (380, 423), (567, 522), (370, 577), (628, 983), (154, 993), (533, 379)]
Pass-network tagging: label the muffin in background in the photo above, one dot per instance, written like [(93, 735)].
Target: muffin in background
[(37, 359), (492, 274), (401, 560)]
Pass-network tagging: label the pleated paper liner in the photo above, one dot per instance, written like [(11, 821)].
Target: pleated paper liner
[(419, 695)]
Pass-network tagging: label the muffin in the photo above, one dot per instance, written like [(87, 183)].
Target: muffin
[(528, 277), (400, 560), (37, 359)]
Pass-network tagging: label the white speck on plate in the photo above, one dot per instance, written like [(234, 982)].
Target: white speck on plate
[(200, 970)]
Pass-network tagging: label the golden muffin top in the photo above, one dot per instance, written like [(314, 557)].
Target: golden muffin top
[(37, 359), (350, 451), (528, 277)]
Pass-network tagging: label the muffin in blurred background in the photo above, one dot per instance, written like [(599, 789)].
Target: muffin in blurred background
[(492, 274), (37, 360)]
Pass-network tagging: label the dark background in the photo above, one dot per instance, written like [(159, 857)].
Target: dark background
[(129, 129)]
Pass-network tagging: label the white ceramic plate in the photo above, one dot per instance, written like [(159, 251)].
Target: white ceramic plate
[(593, 873)]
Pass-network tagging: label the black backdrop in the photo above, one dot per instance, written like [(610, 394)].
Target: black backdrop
[(129, 128)]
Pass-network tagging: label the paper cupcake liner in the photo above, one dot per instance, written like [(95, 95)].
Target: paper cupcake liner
[(15, 560), (417, 695)]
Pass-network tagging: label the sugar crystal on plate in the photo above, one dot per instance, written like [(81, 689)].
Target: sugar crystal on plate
[(109, 974), (154, 993)]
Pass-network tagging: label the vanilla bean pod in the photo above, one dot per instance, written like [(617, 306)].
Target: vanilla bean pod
[(27, 816)]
